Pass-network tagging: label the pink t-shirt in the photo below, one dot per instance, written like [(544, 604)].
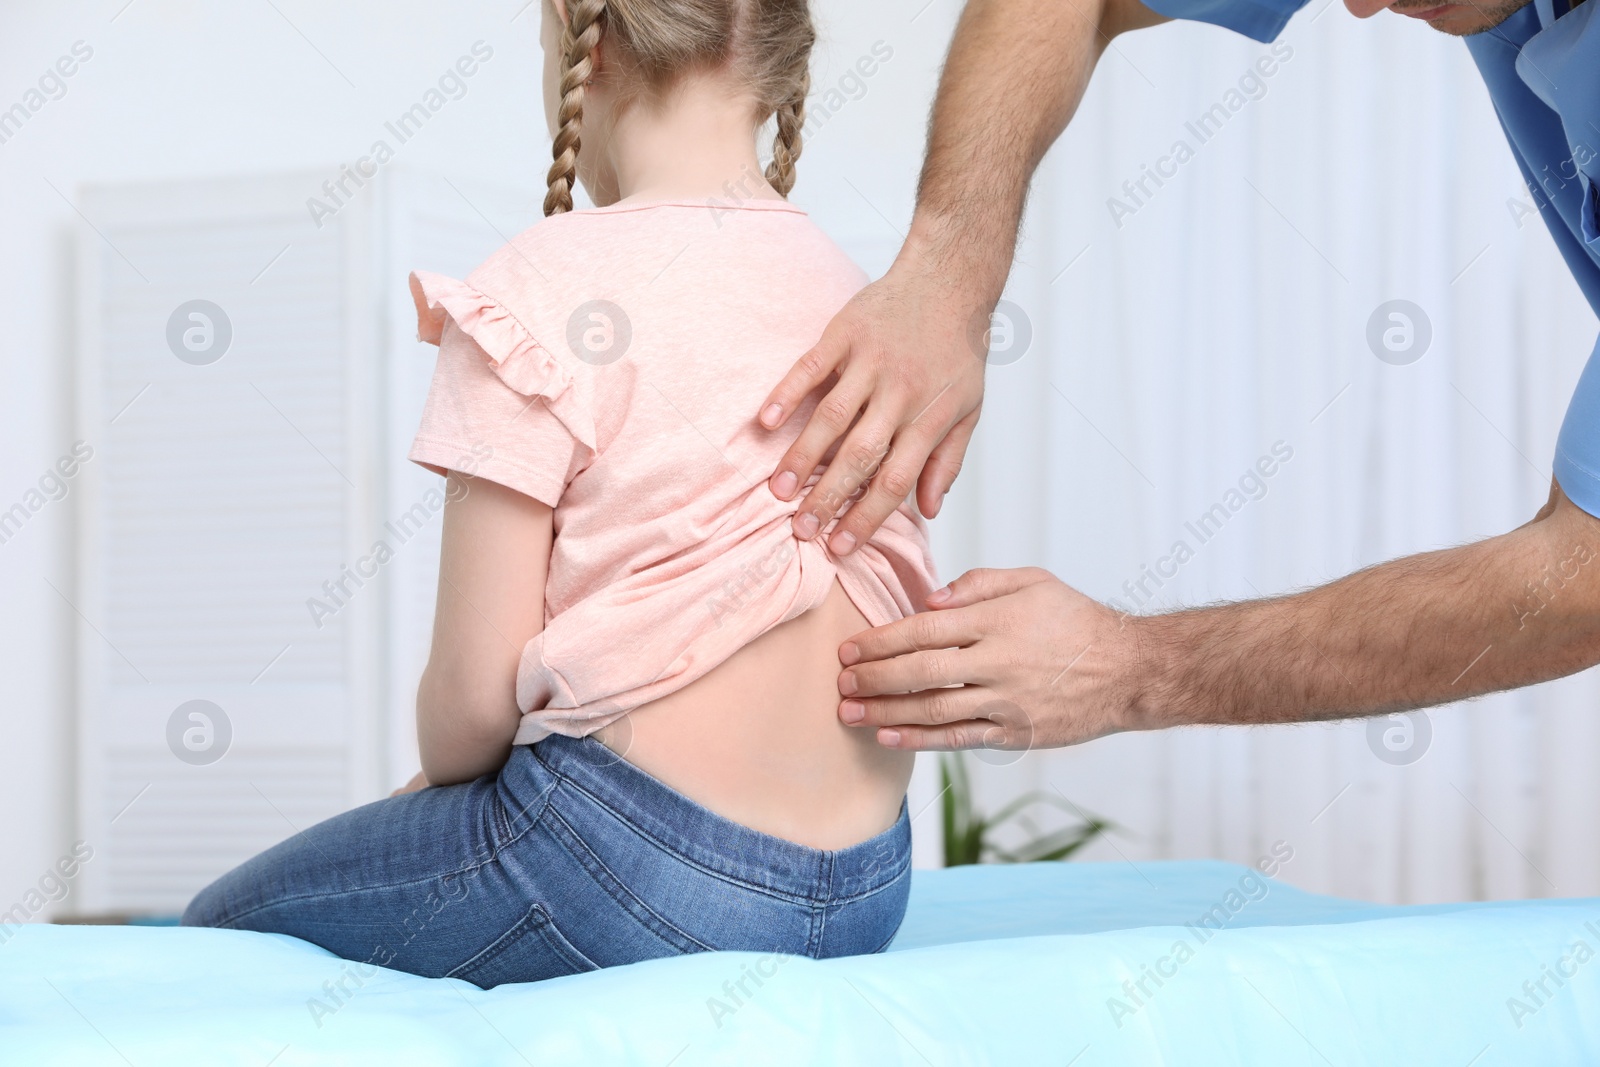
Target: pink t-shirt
[(610, 363)]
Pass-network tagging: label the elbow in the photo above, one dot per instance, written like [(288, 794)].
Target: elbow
[(464, 728)]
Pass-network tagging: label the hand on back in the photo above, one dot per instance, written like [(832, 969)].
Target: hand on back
[(903, 361)]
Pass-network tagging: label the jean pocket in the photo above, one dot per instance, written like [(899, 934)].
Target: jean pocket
[(530, 951), (659, 930)]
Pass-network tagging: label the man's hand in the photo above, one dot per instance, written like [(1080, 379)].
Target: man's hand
[(908, 350), (1039, 665), (915, 415)]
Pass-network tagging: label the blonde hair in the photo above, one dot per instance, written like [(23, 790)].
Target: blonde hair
[(652, 43)]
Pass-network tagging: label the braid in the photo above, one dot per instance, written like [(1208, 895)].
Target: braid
[(579, 39), (791, 116)]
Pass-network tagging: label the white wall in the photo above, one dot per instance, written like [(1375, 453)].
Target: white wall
[(1210, 325)]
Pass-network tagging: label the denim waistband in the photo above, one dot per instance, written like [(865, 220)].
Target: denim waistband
[(700, 836)]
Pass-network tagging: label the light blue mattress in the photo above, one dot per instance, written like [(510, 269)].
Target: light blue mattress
[(1007, 965)]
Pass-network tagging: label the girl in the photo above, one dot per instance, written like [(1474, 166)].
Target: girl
[(627, 723)]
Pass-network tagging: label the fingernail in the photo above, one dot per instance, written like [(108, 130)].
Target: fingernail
[(939, 596), (849, 654), (889, 738), (771, 415), (843, 543), (852, 711), (847, 683), (785, 486), (805, 525)]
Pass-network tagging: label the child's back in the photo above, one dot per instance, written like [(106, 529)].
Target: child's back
[(607, 362)]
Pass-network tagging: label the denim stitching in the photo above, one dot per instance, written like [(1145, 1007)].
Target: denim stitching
[(818, 910), (632, 904), (820, 915), (500, 945), (899, 872), (687, 861), (494, 854)]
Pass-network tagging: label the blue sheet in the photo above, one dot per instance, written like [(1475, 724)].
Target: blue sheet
[(1007, 965)]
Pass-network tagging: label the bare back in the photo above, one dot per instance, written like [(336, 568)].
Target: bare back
[(758, 739)]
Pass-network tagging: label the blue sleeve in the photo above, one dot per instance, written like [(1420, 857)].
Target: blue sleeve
[(1577, 465), (1262, 20)]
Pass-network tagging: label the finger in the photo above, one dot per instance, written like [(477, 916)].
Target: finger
[(954, 737), (936, 707), (808, 372), (913, 672), (944, 463), (887, 489), (914, 633), (833, 416), (985, 583), (860, 454)]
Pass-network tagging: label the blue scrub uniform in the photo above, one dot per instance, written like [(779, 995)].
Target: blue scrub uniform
[(1542, 67)]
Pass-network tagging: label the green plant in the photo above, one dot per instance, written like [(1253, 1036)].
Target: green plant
[(968, 833)]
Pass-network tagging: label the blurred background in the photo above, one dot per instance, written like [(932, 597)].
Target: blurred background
[(1314, 259)]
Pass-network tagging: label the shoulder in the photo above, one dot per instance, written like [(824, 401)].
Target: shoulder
[(553, 273), (536, 262), (515, 308)]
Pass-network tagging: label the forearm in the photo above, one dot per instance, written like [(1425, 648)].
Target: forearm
[(462, 733), (492, 567), (1016, 72), (1427, 629), (902, 389)]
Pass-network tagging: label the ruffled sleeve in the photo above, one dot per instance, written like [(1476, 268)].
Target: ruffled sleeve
[(479, 418), (515, 355)]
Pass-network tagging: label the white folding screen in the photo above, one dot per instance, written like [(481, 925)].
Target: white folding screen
[(248, 382)]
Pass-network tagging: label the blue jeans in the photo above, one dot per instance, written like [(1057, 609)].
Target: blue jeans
[(570, 859)]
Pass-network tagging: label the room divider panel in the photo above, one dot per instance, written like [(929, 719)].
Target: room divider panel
[(249, 378)]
